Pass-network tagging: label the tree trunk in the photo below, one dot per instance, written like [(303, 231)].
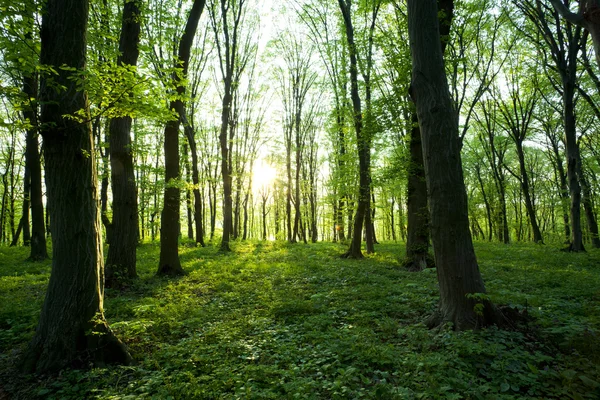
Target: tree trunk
[(225, 169), (417, 241), (573, 160), (529, 206), (71, 328), (169, 263), (564, 188), (199, 225), (588, 208), (38, 249), (362, 142), (121, 259), (457, 269)]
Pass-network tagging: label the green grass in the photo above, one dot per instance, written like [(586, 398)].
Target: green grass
[(277, 321)]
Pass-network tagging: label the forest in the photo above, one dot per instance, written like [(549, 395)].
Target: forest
[(316, 199)]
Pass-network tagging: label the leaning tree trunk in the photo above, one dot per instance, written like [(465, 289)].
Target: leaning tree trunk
[(457, 269), (169, 263), (120, 262), (71, 327)]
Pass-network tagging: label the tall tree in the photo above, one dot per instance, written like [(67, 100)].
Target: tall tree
[(234, 50), (458, 273), (169, 263), (517, 114), (120, 262), (363, 136), (586, 17), (564, 42), (72, 325)]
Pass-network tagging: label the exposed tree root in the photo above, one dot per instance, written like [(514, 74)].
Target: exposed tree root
[(571, 249), (96, 345), (471, 320), (349, 254), (418, 262)]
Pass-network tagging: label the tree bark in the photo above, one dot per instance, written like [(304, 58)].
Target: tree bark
[(199, 225), (38, 250), (121, 259), (362, 142), (417, 240), (71, 328), (457, 269), (169, 263)]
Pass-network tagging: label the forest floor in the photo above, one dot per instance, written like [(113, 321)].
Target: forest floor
[(278, 321)]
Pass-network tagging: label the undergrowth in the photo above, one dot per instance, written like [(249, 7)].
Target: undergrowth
[(278, 321)]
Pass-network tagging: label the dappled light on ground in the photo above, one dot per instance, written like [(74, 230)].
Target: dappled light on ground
[(280, 321)]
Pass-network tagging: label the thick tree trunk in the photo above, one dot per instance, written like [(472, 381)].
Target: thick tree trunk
[(458, 272), (71, 327), (169, 263), (573, 160), (417, 240), (121, 259)]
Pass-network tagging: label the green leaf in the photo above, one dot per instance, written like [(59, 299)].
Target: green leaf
[(590, 382), (568, 374), (504, 387)]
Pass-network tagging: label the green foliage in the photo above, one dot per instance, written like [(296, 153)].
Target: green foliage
[(276, 321)]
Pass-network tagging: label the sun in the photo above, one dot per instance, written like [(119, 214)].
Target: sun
[(264, 175)]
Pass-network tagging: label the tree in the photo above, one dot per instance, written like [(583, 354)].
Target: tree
[(72, 325), (295, 80), (457, 269), (564, 42), (517, 114), (169, 263), (587, 17), (234, 51), (363, 136), (120, 262)]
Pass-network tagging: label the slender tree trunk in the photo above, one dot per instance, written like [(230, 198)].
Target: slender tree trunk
[(121, 259), (564, 189), (288, 204), (72, 325), (198, 204), (588, 207), (458, 272), (417, 241), (225, 169), (169, 263), (38, 249), (529, 206), (188, 193), (363, 143)]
